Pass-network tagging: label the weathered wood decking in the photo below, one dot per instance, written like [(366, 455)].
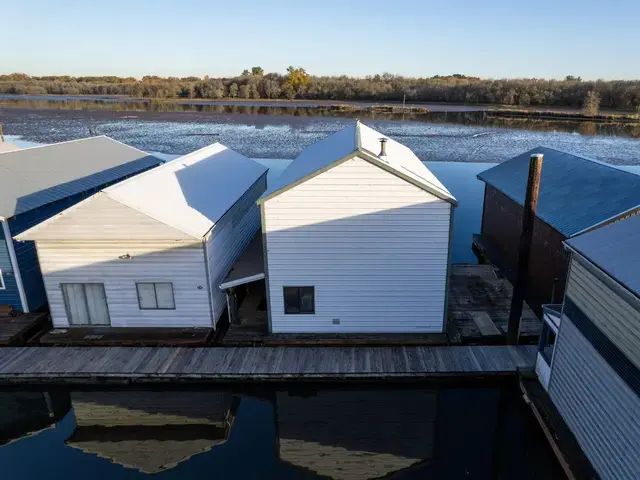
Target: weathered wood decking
[(17, 330), (97, 365), (127, 337)]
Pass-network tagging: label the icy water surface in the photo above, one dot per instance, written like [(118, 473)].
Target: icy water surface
[(284, 136), (438, 431)]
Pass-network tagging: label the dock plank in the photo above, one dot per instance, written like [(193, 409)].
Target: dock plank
[(174, 364)]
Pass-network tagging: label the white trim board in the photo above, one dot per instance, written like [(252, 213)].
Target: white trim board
[(16, 268)]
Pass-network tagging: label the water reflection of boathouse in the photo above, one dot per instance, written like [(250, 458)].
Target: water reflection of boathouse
[(150, 431)]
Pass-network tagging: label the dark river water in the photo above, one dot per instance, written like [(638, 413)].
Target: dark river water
[(439, 431)]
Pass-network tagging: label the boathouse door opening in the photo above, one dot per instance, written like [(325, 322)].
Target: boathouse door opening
[(86, 303)]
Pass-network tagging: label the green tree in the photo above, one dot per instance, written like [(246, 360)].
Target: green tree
[(591, 104), (233, 90), (257, 71), (245, 73)]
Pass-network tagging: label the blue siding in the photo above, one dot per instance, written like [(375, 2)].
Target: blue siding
[(26, 251), (9, 296)]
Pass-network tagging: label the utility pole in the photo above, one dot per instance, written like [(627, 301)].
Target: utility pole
[(526, 235)]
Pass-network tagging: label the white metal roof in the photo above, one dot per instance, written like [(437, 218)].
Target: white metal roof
[(192, 192), (365, 141)]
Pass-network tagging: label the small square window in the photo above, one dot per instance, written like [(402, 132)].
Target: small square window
[(2, 285), (155, 296), (299, 300)]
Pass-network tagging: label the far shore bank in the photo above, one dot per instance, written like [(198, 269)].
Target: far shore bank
[(128, 103)]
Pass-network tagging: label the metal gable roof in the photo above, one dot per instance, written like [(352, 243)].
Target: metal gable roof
[(192, 192), (576, 193), (33, 177), (364, 141), (615, 249)]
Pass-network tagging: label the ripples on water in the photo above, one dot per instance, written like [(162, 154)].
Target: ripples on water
[(440, 431)]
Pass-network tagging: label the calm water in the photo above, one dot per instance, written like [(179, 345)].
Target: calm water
[(450, 431)]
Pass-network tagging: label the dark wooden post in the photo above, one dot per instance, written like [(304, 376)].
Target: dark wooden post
[(526, 235)]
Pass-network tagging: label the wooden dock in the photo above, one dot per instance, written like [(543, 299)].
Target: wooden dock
[(17, 330), (127, 337), (103, 365)]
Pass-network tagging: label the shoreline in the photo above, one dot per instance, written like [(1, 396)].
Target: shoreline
[(124, 103)]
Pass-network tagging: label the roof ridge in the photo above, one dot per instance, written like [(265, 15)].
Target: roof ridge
[(65, 142), (592, 160)]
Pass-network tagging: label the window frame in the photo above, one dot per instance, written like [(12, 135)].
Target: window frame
[(3, 286), (299, 299), (155, 294), (547, 334)]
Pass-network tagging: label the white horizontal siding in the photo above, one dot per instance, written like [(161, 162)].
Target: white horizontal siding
[(181, 263), (102, 218), (601, 410), (614, 316), (229, 238), (374, 246)]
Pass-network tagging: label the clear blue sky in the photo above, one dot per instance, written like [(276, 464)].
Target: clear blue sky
[(490, 38)]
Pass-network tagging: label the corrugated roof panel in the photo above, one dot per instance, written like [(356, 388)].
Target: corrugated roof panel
[(575, 193), (33, 177), (615, 249)]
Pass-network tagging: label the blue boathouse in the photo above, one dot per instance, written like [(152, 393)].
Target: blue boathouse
[(37, 183)]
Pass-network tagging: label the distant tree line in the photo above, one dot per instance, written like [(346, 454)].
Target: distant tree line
[(298, 84)]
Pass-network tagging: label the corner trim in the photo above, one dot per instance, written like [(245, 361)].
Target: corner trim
[(209, 286), (263, 224), (16, 267), (446, 283)]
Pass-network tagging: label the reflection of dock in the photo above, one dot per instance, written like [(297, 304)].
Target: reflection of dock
[(149, 431), (91, 365)]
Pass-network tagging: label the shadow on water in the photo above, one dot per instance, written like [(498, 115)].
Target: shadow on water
[(434, 430), (479, 118)]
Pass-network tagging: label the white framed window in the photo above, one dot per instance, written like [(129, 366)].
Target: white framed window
[(155, 296), (2, 285), (299, 300)]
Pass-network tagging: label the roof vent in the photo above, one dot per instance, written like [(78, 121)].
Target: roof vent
[(383, 148)]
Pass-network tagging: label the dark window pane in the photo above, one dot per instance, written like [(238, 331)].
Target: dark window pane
[(291, 300), (306, 300)]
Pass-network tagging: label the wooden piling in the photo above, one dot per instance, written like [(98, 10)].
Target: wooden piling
[(526, 235)]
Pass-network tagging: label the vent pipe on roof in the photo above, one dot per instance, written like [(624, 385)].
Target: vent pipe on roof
[(383, 148)]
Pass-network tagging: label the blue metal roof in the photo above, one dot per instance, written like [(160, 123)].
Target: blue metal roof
[(576, 193), (34, 177), (615, 249)]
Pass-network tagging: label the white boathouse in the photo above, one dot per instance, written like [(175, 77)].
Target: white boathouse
[(356, 237), (152, 250)]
